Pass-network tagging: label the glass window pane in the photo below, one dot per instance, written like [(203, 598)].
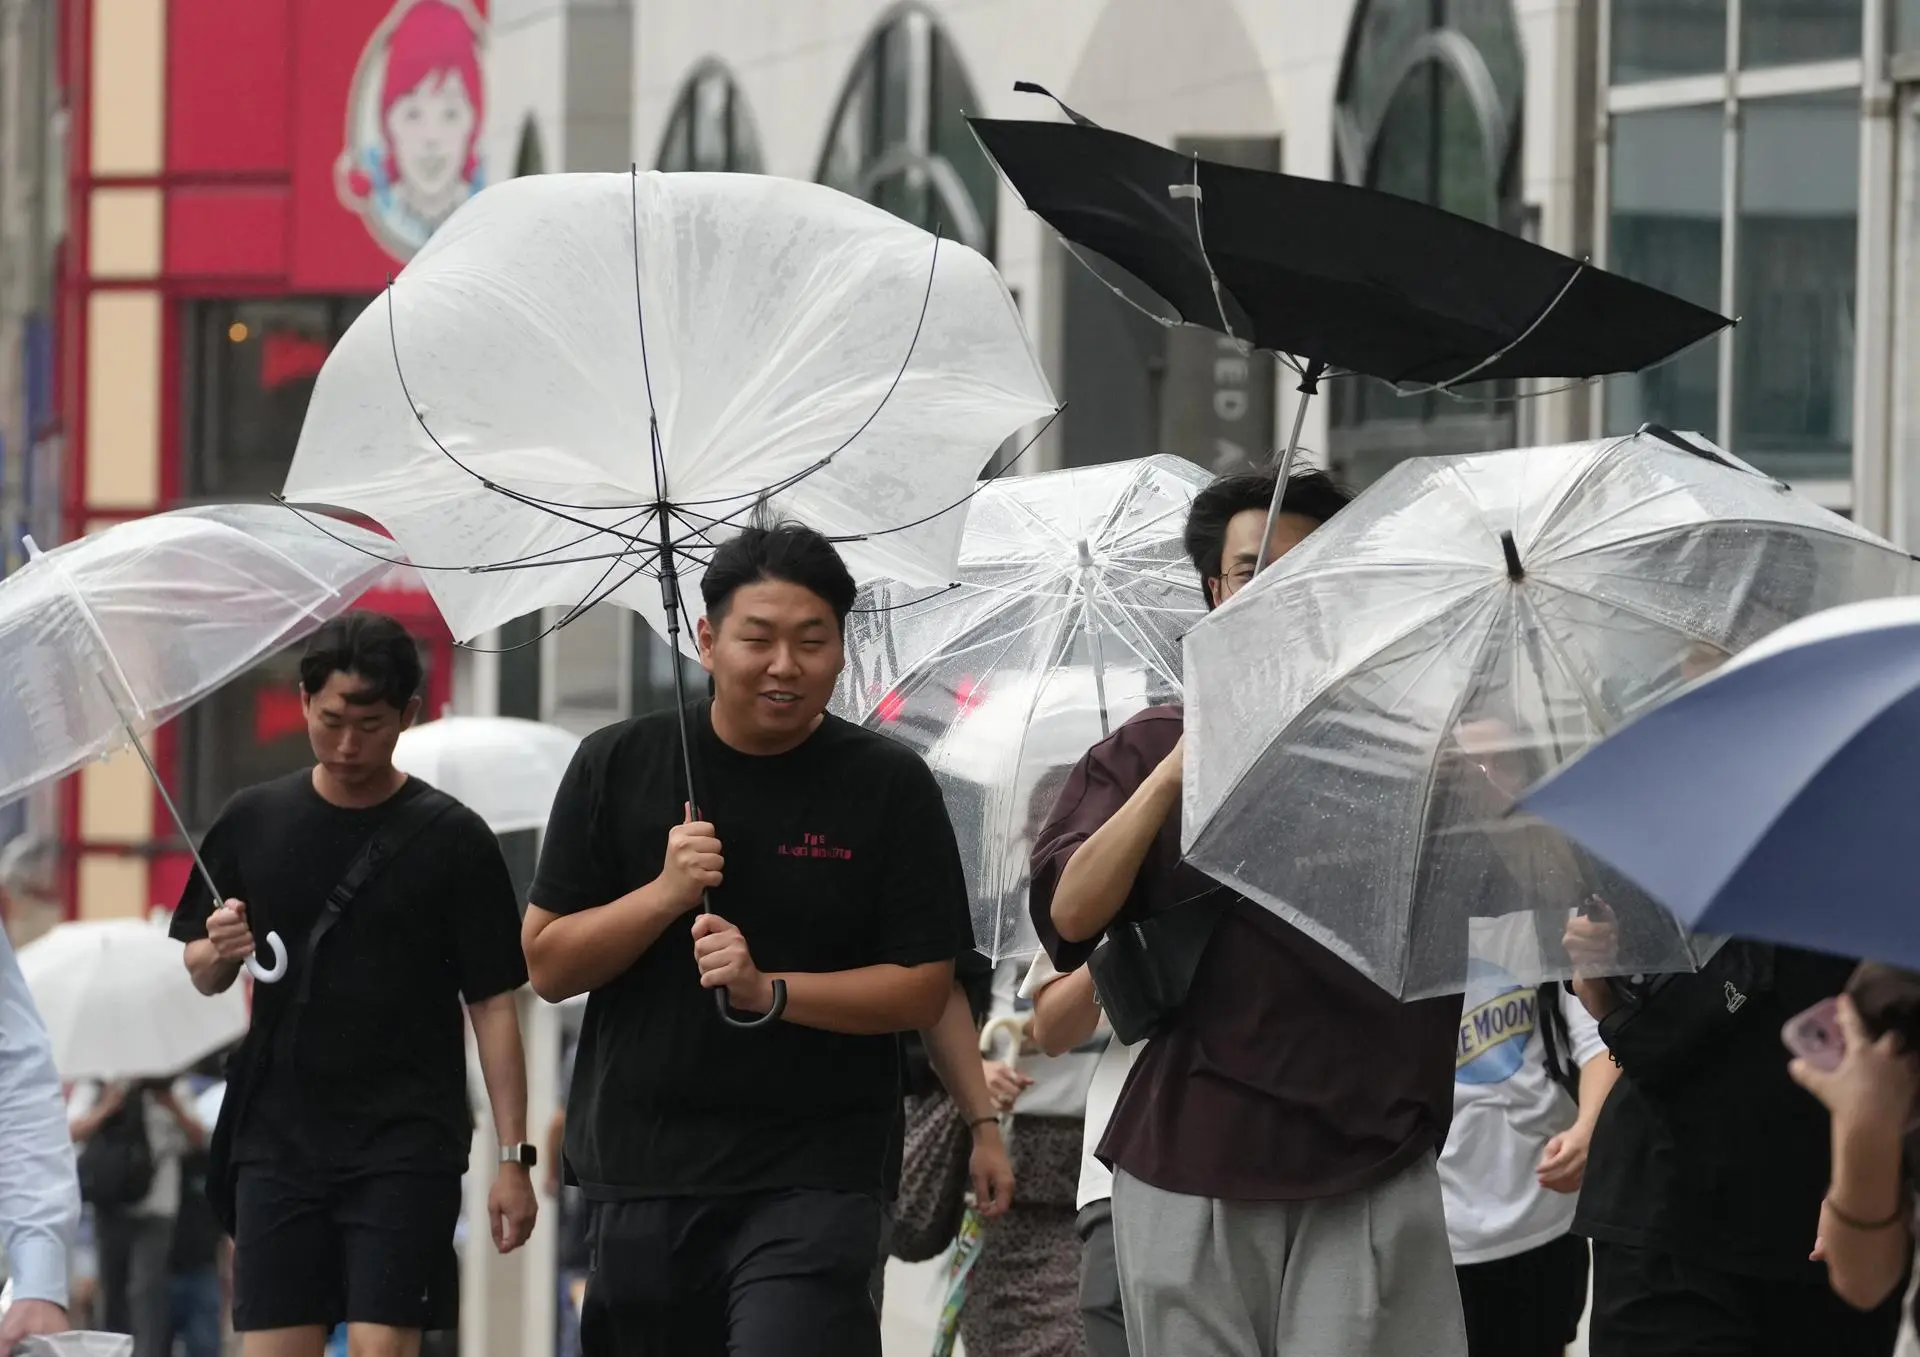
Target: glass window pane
[(1799, 224), (587, 677), (709, 99), (1784, 32), (650, 681), (255, 367), (1906, 26), (520, 667), (1655, 39), (1665, 231)]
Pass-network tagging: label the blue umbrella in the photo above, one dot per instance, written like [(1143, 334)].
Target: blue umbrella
[(1775, 799)]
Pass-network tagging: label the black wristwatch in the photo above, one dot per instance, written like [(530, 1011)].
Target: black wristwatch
[(523, 1154)]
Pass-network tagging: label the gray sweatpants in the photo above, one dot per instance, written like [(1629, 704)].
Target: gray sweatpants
[(1365, 1275)]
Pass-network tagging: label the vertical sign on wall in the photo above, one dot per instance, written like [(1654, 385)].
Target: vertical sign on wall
[(1217, 402)]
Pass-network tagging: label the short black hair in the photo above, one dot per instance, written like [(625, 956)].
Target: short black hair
[(371, 645), (789, 551), (1311, 493)]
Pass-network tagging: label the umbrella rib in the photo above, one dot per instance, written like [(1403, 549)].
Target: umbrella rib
[(1739, 521), (964, 499)]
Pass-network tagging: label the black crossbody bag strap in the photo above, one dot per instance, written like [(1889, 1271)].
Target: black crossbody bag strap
[(382, 846)]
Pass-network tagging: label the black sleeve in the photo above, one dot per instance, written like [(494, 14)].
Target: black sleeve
[(926, 913), (220, 850), (574, 873), (485, 922)]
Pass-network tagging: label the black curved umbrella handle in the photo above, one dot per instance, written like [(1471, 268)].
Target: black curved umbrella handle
[(731, 1016)]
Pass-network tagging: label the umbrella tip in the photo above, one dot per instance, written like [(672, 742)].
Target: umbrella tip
[(33, 548), (1511, 550)]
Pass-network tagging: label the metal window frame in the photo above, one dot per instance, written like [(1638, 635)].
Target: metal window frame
[(1732, 87)]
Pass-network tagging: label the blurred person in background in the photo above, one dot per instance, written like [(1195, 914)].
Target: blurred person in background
[(134, 1141), (39, 1191), (1022, 1295)]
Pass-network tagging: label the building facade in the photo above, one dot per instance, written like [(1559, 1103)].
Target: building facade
[(241, 179), (1755, 155)]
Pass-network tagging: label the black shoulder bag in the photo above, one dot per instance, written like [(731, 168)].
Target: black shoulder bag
[(1144, 970), (382, 847), (1667, 1026)]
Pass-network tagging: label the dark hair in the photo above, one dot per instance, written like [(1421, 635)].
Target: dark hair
[(791, 552), (371, 646), (1310, 493)]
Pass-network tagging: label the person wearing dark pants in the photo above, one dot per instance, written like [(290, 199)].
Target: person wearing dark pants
[(345, 1127), (738, 1172), (1101, 1311), (1704, 1185)]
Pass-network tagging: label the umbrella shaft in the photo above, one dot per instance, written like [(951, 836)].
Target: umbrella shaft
[(166, 799), (1282, 469)]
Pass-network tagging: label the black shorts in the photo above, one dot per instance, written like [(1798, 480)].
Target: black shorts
[(375, 1249), (1528, 1305), (781, 1274)]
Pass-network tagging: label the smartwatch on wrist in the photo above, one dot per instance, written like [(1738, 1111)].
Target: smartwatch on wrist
[(523, 1154)]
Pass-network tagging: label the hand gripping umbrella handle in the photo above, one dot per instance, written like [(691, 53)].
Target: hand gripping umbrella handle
[(730, 1015), (266, 975)]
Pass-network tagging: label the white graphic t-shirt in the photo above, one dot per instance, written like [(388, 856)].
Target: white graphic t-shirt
[(1103, 1091), (1506, 1107)]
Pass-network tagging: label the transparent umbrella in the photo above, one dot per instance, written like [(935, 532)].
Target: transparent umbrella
[(1363, 716), (106, 638), (504, 769), (1072, 593)]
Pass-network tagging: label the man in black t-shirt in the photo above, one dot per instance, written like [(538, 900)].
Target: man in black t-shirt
[(345, 1128), (738, 1174)]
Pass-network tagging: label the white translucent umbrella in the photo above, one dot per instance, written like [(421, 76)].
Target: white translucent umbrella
[(118, 1003), (1071, 595), (496, 409), (1362, 717), (505, 769), (106, 638)]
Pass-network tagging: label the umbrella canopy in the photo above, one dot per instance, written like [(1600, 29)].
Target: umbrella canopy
[(1346, 278), (1772, 800), (119, 1004), (126, 628), (496, 409), (1362, 716), (504, 769), (1072, 593)]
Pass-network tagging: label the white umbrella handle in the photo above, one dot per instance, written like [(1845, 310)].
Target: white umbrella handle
[(266, 975)]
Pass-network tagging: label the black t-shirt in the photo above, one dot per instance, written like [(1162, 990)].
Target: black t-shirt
[(839, 855), (375, 1076), (1727, 1167)]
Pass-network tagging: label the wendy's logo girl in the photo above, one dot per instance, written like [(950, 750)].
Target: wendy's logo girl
[(413, 123)]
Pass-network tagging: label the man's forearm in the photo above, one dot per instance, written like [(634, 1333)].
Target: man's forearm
[(1598, 997), (870, 1001), (953, 1049), (211, 974), (569, 954), (1099, 876), (1065, 1013), (503, 1064)]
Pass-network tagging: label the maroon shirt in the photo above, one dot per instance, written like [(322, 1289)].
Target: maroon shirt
[(1288, 1075)]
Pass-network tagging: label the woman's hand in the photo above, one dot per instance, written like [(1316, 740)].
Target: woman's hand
[(1564, 1164), (1005, 1084), (1872, 1089)]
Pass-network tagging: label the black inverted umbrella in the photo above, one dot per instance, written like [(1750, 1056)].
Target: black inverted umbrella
[(1338, 279)]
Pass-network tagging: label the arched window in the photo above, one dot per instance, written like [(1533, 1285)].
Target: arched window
[(899, 137), (710, 128), (1429, 108), (530, 158)]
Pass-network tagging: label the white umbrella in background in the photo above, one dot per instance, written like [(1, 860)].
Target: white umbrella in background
[(118, 1003), (505, 769)]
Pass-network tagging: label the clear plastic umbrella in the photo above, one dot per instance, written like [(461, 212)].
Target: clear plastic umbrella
[(585, 382), (119, 1005), (1363, 716), (108, 637), (504, 769), (1072, 593)]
